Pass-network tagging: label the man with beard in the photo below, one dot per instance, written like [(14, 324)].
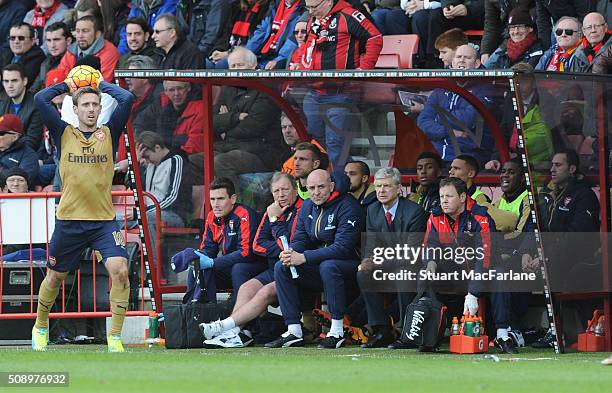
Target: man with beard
[(358, 173)]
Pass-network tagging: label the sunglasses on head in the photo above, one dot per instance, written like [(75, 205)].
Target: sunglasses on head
[(559, 32), (300, 31), (18, 38)]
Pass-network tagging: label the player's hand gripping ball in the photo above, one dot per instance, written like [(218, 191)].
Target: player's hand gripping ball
[(82, 76)]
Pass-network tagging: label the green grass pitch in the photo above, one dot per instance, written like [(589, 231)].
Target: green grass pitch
[(294, 370)]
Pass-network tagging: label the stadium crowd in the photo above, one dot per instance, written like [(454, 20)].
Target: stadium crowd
[(322, 200)]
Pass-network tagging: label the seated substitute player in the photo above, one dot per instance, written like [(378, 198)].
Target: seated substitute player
[(256, 294), (85, 215), (230, 229)]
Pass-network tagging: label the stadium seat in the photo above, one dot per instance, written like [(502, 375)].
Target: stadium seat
[(474, 33), (398, 51)]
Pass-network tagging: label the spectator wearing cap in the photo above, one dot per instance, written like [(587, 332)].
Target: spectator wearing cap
[(13, 150), (90, 41), (548, 14), (430, 23), (20, 102), (523, 45), (23, 51), (560, 56), (447, 43), (149, 10), (44, 14), (11, 12), (138, 32), (57, 38), (594, 53), (17, 181), (178, 52), (496, 24)]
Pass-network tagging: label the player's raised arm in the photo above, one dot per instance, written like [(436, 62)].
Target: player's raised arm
[(120, 115), (50, 116)]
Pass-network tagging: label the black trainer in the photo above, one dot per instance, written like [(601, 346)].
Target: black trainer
[(286, 341), (331, 342), (548, 341), (506, 346), (399, 344)]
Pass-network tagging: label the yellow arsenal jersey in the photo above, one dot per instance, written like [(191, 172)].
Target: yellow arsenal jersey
[(86, 168)]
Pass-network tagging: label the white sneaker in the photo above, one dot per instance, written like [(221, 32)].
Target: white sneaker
[(227, 340), (211, 329), (517, 337)]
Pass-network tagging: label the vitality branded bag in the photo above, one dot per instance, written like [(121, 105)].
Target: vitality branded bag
[(424, 322)]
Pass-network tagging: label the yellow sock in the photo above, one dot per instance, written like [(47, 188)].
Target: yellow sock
[(46, 299), (119, 297)]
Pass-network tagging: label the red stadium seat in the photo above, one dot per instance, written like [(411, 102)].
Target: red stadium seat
[(398, 51), (474, 33)]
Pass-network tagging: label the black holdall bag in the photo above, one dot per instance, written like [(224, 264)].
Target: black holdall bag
[(181, 322), (424, 322)]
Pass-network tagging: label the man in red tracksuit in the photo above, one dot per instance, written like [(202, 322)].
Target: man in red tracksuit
[(340, 37), (460, 223)]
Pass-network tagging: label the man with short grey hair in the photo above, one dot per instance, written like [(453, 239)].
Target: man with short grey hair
[(391, 213), (142, 88), (179, 52), (560, 56), (246, 126)]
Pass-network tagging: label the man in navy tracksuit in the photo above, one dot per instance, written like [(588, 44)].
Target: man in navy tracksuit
[(325, 252), (230, 228)]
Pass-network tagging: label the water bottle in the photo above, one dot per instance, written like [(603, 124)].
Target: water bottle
[(469, 327), (153, 325), (476, 327), (599, 327), (455, 327)]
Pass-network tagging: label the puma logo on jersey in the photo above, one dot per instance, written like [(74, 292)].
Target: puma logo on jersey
[(352, 222)]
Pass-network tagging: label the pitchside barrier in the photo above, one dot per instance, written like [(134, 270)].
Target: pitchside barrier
[(385, 118), (26, 225)]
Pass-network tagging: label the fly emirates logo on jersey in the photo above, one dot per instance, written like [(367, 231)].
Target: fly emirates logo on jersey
[(88, 156)]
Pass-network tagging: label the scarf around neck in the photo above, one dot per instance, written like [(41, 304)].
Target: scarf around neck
[(279, 24), (592, 50), (559, 61), (517, 49)]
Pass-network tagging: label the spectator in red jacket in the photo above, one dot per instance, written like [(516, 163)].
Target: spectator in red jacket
[(89, 41), (177, 116)]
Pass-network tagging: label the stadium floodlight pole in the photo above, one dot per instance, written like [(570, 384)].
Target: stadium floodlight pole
[(531, 189), (143, 228)]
